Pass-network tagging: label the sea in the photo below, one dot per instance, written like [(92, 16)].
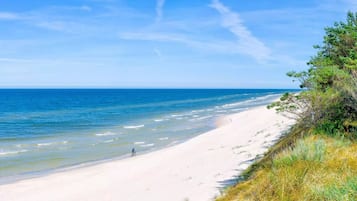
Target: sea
[(44, 130)]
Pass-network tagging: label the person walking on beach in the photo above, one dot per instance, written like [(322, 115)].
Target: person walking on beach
[(133, 152)]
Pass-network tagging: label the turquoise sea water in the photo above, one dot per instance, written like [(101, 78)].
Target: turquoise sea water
[(46, 129)]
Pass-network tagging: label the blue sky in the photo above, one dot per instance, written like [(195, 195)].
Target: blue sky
[(160, 43)]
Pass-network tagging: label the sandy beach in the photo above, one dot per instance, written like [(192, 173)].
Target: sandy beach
[(196, 170)]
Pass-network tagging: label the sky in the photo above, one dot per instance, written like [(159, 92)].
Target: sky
[(160, 43)]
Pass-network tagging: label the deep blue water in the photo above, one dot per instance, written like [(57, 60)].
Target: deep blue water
[(42, 129)]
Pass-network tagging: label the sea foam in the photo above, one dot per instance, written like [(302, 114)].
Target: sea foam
[(163, 138), (5, 153), (108, 141), (147, 145), (45, 144), (133, 127), (105, 134)]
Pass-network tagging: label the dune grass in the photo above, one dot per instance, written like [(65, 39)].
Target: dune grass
[(318, 167)]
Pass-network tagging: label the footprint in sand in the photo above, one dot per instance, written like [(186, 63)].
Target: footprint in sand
[(259, 132), (267, 135), (242, 152), (238, 147), (236, 150)]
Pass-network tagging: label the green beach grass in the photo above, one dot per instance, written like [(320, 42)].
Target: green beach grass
[(318, 167)]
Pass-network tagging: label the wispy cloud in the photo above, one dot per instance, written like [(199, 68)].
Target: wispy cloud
[(49, 17), (152, 36), (207, 45), (159, 9), (14, 60), (85, 8), (9, 16), (248, 44)]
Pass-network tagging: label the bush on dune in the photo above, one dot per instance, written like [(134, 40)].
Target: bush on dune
[(329, 100)]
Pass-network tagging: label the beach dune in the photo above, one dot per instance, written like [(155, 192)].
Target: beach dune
[(195, 170)]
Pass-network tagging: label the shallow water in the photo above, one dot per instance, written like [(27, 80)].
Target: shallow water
[(48, 129)]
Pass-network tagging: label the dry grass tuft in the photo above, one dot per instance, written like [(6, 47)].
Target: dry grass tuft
[(317, 168)]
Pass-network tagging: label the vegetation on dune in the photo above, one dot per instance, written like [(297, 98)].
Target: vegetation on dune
[(317, 168), (329, 102), (318, 159)]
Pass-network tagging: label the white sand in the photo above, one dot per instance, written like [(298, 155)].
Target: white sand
[(195, 170)]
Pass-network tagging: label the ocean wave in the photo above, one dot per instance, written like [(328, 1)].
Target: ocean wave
[(204, 117), (105, 134), (230, 105), (133, 127), (177, 115), (45, 144), (239, 109), (148, 145), (5, 153), (158, 120), (108, 141), (173, 142), (197, 111), (138, 143), (163, 138), (221, 111), (251, 100)]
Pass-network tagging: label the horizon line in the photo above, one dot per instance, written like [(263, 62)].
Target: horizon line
[(140, 88)]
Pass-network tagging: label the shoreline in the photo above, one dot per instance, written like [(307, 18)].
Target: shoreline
[(115, 142), (177, 166), (218, 122)]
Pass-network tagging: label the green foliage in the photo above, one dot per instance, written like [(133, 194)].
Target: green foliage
[(346, 191), (330, 98), (303, 151)]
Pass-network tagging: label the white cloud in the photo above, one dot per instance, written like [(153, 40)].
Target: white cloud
[(85, 8), (247, 43), (159, 6), (54, 25), (152, 36), (208, 45), (9, 16)]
